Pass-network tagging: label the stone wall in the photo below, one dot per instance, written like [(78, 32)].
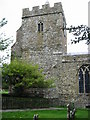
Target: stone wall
[(42, 92), (69, 85)]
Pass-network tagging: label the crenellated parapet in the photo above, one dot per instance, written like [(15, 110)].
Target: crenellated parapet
[(45, 10)]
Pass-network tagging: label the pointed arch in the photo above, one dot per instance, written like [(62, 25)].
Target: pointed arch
[(87, 81), (81, 81), (40, 27), (84, 79)]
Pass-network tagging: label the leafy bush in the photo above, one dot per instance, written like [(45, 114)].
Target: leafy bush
[(22, 75)]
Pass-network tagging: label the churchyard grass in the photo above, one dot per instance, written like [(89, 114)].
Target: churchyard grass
[(80, 113), (4, 92)]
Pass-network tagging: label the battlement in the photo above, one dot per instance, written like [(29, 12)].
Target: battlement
[(45, 10)]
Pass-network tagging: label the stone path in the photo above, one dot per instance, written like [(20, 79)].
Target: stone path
[(14, 110)]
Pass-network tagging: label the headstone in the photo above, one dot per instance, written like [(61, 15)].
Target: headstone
[(35, 117)]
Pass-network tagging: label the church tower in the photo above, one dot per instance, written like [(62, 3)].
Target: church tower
[(42, 40), (41, 32)]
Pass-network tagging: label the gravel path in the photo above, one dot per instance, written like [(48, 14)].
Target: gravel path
[(14, 110)]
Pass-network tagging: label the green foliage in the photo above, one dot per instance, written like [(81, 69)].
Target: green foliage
[(4, 92), (5, 85), (22, 75)]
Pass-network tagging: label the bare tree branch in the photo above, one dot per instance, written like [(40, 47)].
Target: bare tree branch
[(3, 22)]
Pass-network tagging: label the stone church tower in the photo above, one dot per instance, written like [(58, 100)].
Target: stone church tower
[(41, 32), (41, 40)]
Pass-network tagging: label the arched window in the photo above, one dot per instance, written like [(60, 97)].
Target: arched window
[(84, 79), (87, 81), (81, 81), (40, 27)]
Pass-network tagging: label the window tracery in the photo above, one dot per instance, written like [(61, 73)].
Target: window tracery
[(84, 79)]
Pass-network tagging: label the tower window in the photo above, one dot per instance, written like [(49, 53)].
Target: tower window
[(84, 79), (81, 82), (40, 27)]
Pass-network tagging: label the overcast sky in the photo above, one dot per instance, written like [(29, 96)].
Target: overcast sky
[(76, 13)]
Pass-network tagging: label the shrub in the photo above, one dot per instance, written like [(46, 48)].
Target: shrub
[(22, 75)]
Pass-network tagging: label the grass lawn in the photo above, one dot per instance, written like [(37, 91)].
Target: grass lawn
[(55, 114), (4, 92)]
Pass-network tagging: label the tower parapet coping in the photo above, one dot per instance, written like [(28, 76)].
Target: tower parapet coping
[(46, 9)]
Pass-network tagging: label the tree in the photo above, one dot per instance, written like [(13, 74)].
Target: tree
[(3, 22), (22, 75), (81, 32), (5, 41)]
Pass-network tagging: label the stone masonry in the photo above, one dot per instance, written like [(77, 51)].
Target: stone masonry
[(41, 40)]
